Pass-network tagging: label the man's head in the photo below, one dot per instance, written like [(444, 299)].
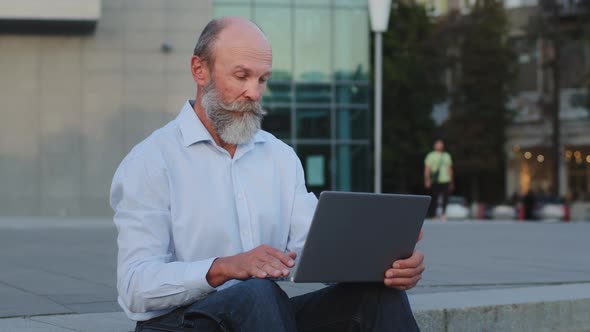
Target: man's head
[(231, 65), (439, 145)]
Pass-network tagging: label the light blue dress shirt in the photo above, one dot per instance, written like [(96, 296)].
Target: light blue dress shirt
[(181, 201)]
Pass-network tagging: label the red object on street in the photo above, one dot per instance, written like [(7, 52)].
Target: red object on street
[(481, 211), (566, 213), (520, 211)]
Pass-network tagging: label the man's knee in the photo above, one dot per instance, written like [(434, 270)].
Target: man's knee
[(262, 291), (388, 294), (264, 306), (375, 294)]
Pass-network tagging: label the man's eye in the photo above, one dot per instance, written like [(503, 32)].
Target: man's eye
[(263, 80)]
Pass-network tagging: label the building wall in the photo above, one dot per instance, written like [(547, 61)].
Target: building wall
[(72, 106), (531, 172), (531, 130)]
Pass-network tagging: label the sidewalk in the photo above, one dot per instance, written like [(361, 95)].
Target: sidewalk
[(504, 276)]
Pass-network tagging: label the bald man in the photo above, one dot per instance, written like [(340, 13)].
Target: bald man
[(209, 206)]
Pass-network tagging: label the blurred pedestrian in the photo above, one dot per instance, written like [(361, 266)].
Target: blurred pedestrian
[(438, 177), (529, 201)]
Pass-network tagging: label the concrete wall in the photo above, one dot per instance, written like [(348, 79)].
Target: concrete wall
[(72, 106)]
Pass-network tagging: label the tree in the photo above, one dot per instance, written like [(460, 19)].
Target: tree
[(483, 69), (412, 70)]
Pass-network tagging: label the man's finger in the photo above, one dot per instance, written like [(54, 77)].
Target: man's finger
[(421, 235), (413, 261), (405, 273), (258, 273), (270, 270), (407, 282), (283, 257), (277, 264)]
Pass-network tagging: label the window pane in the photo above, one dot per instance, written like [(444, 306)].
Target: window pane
[(357, 3), (313, 93), (313, 123), (351, 44), (352, 94), (277, 93), (352, 123), (312, 44), (230, 2), (272, 2), (353, 168), (276, 23), (316, 164), (278, 122), (312, 2), (232, 10)]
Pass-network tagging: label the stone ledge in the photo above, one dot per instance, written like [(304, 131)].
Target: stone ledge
[(546, 308)]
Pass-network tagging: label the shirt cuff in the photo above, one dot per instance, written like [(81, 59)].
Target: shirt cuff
[(195, 275)]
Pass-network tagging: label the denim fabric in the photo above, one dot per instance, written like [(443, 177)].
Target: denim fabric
[(261, 305)]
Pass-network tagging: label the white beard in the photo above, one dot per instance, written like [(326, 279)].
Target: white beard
[(235, 123)]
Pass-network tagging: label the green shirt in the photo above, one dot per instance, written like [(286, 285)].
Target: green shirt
[(443, 159)]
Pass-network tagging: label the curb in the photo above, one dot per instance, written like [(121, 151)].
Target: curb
[(546, 308)]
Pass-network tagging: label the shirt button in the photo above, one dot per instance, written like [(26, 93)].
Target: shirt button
[(240, 196), (244, 233)]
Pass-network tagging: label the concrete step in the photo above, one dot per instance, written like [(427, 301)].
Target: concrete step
[(545, 308)]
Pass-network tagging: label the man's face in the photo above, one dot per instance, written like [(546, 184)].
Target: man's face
[(238, 78), (439, 145), (235, 122)]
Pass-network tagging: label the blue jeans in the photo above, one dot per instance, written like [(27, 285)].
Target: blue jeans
[(261, 305)]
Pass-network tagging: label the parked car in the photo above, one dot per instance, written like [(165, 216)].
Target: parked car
[(457, 208), (549, 211), (548, 207), (503, 212)]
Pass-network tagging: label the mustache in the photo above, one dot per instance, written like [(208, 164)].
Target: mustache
[(241, 106), (244, 106)]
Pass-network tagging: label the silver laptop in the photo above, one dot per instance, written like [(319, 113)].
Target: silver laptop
[(355, 237)]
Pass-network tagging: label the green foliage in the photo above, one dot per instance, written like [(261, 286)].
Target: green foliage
[(412, 84), (483, 68)]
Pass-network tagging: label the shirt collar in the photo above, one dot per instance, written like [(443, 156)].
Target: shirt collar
[(193, 131), (191, 127), (259, 137)]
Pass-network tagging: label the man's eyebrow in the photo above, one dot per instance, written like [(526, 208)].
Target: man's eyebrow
[(249, 71), (242, 68)]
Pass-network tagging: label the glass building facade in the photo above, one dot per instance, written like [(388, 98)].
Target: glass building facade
[(318, 99)]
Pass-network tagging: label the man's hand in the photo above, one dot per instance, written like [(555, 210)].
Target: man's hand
[(260, 262), (406, 273), (427, 184)]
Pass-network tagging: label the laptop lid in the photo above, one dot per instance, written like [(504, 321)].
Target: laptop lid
[(355, 237)]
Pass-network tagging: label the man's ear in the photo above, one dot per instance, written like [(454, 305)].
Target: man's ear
[(200, 71)]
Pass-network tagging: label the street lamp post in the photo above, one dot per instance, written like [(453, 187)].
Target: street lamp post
[(379, 13)]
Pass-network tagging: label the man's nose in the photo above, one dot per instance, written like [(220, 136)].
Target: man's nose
[(254, 91)]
